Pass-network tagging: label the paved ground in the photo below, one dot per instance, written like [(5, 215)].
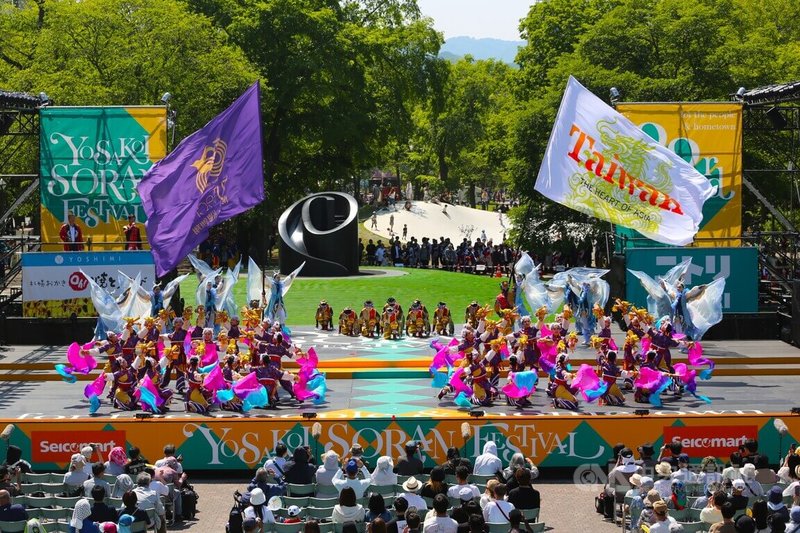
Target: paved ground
[(565, 507)]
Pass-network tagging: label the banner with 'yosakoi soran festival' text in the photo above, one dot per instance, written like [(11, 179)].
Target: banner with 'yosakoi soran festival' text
[(598, 162), (92, 158)]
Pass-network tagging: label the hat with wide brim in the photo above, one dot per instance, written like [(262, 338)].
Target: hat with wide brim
[(663, 469), (411, 485)]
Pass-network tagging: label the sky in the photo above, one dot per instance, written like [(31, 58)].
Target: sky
[(476, 18)]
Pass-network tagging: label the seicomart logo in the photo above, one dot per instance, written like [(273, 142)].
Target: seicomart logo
[(719, 441), (58, 446)]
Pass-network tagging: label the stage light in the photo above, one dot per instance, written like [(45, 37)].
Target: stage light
[(740, 93), (641, 412), (776, 118), (614, 94), (165, 98), (143, 416), (477, 414), (309, 415), (44, 100), (796, 410)]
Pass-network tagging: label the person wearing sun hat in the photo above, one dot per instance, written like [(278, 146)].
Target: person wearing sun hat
[(789, 490), (753, 488), (664, 482), (642, 486), (258, 508), (775, 503), (662, 521), (647, 516), (411, 487)]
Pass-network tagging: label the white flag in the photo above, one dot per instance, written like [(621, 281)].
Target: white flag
[(598, 162)]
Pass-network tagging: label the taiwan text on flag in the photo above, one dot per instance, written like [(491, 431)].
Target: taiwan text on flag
[(211, 176), (598, 162)]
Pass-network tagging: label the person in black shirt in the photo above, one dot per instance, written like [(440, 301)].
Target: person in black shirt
[(410, 465), (136, 463), (11, 512), (435, 485), (398, 520), (737, 498), (100, 511), (454, 460), (298, 469), (130, 506), (524, 496)]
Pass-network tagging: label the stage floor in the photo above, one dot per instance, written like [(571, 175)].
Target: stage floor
[(379, 378)]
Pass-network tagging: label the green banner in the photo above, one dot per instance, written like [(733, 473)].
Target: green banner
[(738, 265), (92, 158)]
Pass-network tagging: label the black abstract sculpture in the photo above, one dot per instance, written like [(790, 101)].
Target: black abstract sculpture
[(322, 230)]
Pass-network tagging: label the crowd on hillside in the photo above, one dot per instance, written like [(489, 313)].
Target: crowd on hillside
[(480, 255)]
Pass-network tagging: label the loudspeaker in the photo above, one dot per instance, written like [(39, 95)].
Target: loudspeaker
[(796, 312)]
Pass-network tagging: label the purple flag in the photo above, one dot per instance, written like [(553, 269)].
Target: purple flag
[(212, 175)]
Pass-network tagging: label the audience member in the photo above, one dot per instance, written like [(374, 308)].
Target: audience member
[(411, 487), (790, 489), (713, 511), (261, 481), (435, 485), (330, 465), (250, 525), (745, 524), (764, 474), (348, 509), (709, 471), (725, 525), (672, 451), (737, 498), (117, 458), (277, 462), (100, 511), (477, 524), (130, 506), (376, 508), (81, 521), (524, 496), (775, 503), (258, 508), (733, 472), (462, 475), (410, 464), (710, 489), (136, 463), (664, 482), (378, 525), (454, 460), (311, 526), (515, 519), (384, 472), (663, 521), (496, 511), (13, 486), (11, 512), (298, 470), (438, 521), (488, 494), (794, 520), (646, 458), (468, 506), (678, 499), (88, 452), (488, 464), (76, 475), (346, 477), (760, 514), (398, 521), (412, 522), (98, 469), (683, 473), (147, 497)]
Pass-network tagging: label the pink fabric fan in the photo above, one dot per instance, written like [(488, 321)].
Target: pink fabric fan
[(95, 387), (81, 363), (215, 381)]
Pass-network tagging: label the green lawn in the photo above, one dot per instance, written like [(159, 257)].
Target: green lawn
[(430, 286)]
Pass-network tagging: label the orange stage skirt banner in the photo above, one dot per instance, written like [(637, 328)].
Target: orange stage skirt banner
[(551, 441)]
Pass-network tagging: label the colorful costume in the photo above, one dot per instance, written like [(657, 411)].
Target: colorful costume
[(562, 393), (324, 316), (443, 322), (369, 319), (347, 322)]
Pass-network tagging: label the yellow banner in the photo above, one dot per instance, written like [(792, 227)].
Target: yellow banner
[(709, 137)]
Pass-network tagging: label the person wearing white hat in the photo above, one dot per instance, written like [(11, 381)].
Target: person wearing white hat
[(411, 487), (737, 497), (621, 474), (384, 472), (87, 452), (257, 508), (753, 488), (76, 475)]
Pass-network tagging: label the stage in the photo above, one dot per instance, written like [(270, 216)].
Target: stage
[(380, 395)]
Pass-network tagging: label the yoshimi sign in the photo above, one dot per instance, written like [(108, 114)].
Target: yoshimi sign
[(598, 162), (92, 158)]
